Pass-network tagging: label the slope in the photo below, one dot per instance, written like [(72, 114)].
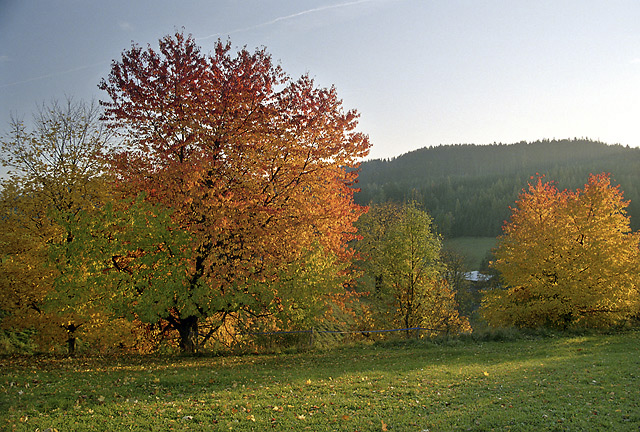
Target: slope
[(468, 188)]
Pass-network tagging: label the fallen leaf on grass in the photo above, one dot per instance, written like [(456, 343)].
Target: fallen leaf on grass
[(384, 426)]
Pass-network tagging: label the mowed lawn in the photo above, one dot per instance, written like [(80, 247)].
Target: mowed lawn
[(572, 383)]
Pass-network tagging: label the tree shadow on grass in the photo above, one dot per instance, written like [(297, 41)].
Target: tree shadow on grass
[(444, 378)]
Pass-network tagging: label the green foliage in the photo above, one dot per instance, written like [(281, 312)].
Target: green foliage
[(468, 189), (402, 270), (123, 262), (306, 287), (17, 342), (558, 382)]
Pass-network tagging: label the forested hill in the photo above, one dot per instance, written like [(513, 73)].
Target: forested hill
[(468, 188)]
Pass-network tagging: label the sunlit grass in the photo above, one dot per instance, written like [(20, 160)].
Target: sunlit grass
[(474, 249), (535, 383)]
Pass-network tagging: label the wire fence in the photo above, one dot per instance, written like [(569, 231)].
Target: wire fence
[(314, 336), (334, 331)]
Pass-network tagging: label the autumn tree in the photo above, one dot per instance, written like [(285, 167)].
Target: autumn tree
[(402, 269), (25, 277), (566, 259), (255, 166), (55, 173)]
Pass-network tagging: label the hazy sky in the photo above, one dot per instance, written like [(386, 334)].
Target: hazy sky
[(420, 72)]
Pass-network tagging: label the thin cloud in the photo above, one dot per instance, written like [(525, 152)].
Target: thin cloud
[(4, 58), (289, 17), (124, 25), (51, 75)]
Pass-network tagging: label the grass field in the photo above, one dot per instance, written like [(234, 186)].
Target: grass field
[(474, 249), (572, 383)]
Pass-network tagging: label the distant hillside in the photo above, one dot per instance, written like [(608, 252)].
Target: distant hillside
[(468, 188)]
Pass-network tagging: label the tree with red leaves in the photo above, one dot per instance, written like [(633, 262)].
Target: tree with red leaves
[(257, 167)]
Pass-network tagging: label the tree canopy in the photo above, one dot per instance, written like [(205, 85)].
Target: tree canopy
[(56, 174), (210, 195), (252, 164), (402, 269), (566, 259)]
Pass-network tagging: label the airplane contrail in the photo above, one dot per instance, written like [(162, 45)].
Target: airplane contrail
[(264, 24), (52, 74), (288, 17)]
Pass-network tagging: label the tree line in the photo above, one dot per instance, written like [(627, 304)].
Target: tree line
[(211, 196), (468, 189)]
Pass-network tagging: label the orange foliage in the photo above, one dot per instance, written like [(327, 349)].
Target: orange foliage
[(254, 165)]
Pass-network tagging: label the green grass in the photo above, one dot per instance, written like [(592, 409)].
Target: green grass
[(474, 249), (572, 383)]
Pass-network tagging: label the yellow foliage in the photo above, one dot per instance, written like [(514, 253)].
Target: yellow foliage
[(403, 271), (57, 174), (566, 259)]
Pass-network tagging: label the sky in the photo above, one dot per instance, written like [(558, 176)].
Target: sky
[(420, 72)]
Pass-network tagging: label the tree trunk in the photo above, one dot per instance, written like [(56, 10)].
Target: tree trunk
[(188, 330), (71, 338), (71, 344), (407, 318)]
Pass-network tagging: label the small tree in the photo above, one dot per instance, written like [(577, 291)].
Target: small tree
[(56, 173), (455, 275), (401, 264), (566, 258)]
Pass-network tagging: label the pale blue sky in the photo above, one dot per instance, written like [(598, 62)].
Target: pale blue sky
[(420, 72)]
